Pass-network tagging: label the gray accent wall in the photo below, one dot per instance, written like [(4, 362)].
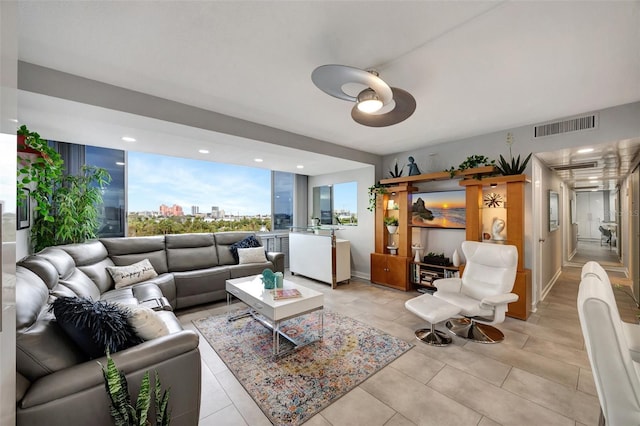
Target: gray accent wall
[(615, 123)]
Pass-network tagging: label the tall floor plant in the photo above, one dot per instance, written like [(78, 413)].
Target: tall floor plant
[(65, 206)]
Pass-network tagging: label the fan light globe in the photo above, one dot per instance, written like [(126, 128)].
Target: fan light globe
[(368, 101)]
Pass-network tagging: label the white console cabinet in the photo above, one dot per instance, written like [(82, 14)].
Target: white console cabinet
[(321, 257)]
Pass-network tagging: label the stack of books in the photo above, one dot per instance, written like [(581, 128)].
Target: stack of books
[(285, 293)]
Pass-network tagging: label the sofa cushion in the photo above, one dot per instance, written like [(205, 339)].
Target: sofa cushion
[(224, 240), (186, 252), (147, 323), (125, 251), (92, 258), (124, 276), (68, 275), (251, 255), (94, 326), (134, 294), (248, 242)]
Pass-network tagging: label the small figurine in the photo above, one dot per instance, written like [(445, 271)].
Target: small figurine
[(413, 167)]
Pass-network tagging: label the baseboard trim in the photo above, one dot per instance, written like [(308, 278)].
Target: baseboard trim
[(550, 284)]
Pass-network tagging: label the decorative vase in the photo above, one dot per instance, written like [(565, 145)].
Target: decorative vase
[(392, 229), (417, 258), (455, 258)]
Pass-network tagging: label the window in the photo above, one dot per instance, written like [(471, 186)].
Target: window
[(113, 206), (282, 200)]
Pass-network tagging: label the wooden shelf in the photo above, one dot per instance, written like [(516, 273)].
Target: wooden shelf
[(426, 177), (494, 179)]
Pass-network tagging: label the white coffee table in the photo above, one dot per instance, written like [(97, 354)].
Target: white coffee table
[(271, 313)]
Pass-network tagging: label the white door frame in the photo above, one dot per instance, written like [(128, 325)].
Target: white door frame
[(537, 218)]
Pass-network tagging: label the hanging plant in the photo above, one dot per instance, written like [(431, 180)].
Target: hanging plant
[(471, 162), (374, 190), (514, 167)]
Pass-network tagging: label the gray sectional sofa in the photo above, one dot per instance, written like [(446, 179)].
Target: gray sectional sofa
[(56, 384)]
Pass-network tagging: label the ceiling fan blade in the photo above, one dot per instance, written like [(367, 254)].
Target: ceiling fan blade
[(331, 78), (405, 106)]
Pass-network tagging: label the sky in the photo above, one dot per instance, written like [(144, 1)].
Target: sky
[(158, 179)]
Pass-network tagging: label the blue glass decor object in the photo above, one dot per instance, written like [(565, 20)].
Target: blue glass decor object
[(268, 279)]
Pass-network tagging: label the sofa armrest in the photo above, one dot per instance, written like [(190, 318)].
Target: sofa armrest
[(277, 259), (84, 376)]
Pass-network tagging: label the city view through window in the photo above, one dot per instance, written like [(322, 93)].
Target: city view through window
[(170, 195)]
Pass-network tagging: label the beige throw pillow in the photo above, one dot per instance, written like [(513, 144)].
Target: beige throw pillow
[(147, 323), (131, 274), (251, 255)]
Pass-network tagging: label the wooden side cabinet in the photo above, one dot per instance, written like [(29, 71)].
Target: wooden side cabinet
[(390, 270)]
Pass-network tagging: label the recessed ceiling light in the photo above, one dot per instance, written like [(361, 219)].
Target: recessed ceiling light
[(119, 163), (299, 166), (15, 120), (203, 151), (258, 160), (128, 139), (585, 150)]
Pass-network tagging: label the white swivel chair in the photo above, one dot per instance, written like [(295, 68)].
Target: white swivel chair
[(616, 375), (483, 292)]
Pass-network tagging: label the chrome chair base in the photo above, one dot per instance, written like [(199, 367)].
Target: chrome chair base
[(433, 337), (472, 330)]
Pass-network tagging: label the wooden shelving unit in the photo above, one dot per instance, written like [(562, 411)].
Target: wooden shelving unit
[(422, 272), (515, 230), (394, 270)]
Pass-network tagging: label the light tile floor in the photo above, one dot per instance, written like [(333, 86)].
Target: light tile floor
[(539, 375)]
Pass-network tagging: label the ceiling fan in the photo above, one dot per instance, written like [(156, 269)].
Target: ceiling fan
[(378, 105)]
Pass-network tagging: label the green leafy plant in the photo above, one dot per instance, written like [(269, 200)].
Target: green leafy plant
[(471, 162), (120, 404), (390, 221), (66, 206), (374, 190), (434, 255), (513, 167)]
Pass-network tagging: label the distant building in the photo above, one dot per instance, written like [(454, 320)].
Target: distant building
[(195, 210), (174, 210), (215, 212)]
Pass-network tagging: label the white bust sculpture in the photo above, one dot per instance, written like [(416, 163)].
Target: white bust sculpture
[(496, 229)]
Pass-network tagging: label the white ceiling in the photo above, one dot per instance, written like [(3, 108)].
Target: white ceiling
[(473, 67)]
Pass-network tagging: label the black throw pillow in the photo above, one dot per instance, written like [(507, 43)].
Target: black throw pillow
[(247, 242), (94, 326)]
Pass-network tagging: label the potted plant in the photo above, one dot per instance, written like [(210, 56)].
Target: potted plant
[(122, 410), (391, 223), (66, 207), (513, 167), (436, 259)]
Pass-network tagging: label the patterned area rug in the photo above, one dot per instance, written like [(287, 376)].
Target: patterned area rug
[(290, 390)]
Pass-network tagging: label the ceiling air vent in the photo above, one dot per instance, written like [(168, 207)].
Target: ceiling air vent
[(571, 125), (574, 166)]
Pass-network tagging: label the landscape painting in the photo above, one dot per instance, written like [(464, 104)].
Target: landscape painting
[(439, 209)]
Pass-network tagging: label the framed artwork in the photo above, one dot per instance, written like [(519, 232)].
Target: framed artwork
[(445, 209), (22, 215), (554, 211)]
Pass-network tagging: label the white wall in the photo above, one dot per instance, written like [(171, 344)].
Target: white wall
[(8, 112), (362, 237)]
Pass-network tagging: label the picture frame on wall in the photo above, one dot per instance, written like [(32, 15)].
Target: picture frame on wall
[(554, 211), (23, 212)]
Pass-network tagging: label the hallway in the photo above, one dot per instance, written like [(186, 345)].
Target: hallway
[(592, 250)]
